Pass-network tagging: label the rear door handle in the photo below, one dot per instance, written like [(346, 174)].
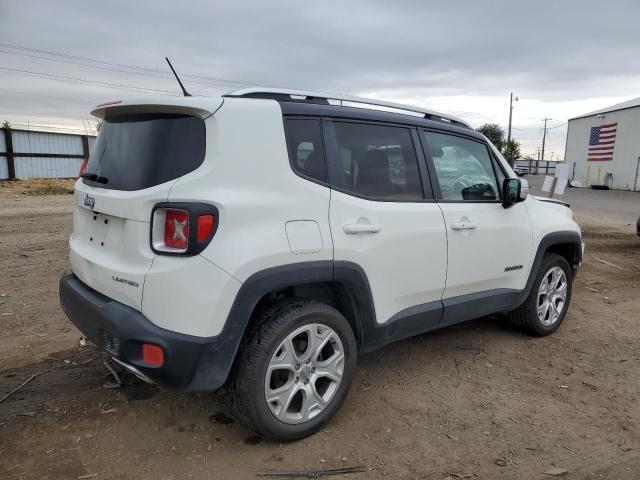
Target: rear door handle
[(463, 226), (353, 228)]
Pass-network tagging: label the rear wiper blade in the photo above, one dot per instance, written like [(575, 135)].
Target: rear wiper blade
[(95, 178)]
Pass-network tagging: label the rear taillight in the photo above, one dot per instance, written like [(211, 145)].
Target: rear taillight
[(182, 228), (170, 230), (83, 167), (176, 229)]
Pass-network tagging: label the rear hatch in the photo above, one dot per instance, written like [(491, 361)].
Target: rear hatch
[(139, 154)]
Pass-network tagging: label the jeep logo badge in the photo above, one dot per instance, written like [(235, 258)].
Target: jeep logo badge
[(89, 201)]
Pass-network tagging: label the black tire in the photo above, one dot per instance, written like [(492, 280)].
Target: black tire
[(246, 389), (526, 317)]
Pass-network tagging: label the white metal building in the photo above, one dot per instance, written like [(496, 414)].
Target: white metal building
[(606, 141)]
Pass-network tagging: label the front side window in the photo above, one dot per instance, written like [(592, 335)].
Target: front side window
[(306, 152), (375, 161), (464, 168)]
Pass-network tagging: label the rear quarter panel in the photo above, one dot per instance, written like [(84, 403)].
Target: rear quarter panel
[(247, 175)]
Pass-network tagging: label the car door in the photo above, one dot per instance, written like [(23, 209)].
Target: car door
[(384, 221), (489, 246)]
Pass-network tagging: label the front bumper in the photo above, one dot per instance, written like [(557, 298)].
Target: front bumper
[(191, 363)]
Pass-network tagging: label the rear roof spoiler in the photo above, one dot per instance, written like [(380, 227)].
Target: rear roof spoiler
[(200, 106)]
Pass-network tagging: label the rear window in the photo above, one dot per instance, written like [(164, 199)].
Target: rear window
[(139, 151)]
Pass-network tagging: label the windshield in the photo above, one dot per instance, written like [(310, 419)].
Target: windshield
[(137, 151)]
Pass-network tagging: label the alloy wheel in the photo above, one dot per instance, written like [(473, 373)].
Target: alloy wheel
[(304, 373), (552, 296)]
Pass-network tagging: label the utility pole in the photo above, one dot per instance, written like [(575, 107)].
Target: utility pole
[(510, 116), (544, 135)]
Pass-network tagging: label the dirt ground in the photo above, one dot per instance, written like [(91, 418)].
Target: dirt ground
[(37, 186), (478, 400)]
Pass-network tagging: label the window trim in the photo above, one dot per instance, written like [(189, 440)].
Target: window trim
[(435, 183), (294, 167), (332, 156)]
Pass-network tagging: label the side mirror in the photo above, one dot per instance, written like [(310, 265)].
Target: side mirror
[(514, 190)]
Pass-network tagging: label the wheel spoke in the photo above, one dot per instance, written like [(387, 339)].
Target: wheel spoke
[(332, 368), (286, 360), (553, 278), (283, 397), (307, 404), (315, 399), (289, 352), (542, 311), (316, 341), (544, 286), (553, 312), (561, 291), (326, 338), (312, 402)]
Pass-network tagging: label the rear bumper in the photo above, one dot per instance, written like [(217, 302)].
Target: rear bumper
[(191, 363)]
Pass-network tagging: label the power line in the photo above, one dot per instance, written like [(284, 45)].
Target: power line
[(66, 99), (122, 65), (538, 129), (164, 77), (64, 79)]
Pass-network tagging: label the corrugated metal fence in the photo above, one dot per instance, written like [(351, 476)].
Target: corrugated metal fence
[(538, 167), (29, 154)]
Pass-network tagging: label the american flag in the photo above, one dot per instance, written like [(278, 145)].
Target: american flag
[(601, 142)]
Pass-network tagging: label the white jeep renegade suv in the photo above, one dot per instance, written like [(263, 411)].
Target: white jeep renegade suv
[(259, 241)]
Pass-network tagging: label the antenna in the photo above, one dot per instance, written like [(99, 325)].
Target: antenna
[(184, 91)]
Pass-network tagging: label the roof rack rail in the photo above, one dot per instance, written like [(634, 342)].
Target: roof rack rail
[(323, 98)]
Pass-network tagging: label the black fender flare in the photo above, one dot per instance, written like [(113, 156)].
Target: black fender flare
[(549, 240), (216, 363)]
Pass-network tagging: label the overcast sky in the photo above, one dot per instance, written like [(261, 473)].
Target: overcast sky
[(562, 58)]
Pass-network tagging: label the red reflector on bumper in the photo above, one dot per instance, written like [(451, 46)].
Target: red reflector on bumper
[(152, 354)]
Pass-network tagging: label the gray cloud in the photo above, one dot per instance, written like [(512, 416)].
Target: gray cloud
[(549, 51)]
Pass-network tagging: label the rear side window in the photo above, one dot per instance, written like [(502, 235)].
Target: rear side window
[(464, 168), (375, 161), (306, 152), (139, 151)]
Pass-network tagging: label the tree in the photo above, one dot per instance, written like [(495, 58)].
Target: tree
[(493, 132), (6, 124), (511, 151)]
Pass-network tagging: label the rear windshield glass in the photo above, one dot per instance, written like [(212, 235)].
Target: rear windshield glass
[(139, 151)]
